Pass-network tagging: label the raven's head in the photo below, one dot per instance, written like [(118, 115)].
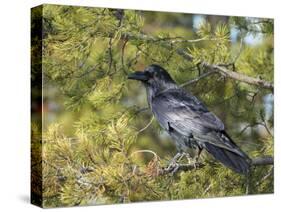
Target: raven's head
[(153, 76)]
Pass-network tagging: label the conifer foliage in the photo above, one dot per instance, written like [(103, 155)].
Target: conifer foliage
[(100, 143)]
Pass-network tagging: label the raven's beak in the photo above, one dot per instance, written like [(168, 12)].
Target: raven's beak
[(138, 75)]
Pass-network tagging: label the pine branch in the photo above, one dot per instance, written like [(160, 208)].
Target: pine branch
[(212, 67), (259, 161), (240, 77)]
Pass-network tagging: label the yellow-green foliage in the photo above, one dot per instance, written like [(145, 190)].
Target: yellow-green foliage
[(96, 167), (98, 143)]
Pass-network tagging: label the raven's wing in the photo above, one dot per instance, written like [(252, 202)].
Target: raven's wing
[(184, 111), (178, 110)]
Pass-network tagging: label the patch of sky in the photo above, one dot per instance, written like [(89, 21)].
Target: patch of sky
[(249, 39)]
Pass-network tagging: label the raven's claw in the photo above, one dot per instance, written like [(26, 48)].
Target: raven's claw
[(174, 165)]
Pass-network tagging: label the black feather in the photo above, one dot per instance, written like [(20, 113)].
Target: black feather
[(232, 160)]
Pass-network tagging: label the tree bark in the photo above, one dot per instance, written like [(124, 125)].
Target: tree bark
[(262, 161)]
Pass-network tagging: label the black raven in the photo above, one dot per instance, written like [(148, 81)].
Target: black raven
[(188, 121)]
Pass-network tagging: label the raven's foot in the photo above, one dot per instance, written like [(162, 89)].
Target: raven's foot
[(174, 163), (172, 168), (192, 160)]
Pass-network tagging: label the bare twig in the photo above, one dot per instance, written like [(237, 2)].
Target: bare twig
[(190, 82), (149, 123), (145, 151)]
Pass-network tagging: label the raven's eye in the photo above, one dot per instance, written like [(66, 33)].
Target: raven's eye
[(154, 75), (149, 74)]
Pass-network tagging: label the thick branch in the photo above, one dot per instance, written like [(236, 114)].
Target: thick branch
[(260, 161), (240, 77), (212, 67)]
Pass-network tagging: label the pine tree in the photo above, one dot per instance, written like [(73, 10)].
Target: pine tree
[(103, 146)]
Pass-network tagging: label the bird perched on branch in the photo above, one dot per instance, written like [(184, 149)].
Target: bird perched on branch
[(188, 121)]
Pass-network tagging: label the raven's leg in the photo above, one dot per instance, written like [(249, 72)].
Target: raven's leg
[(176, 157), (187, 155), (173, 165), (176, 165), (174, 160), (198, 154)]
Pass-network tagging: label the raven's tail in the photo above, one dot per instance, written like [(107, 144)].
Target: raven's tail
[(239, 163)]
